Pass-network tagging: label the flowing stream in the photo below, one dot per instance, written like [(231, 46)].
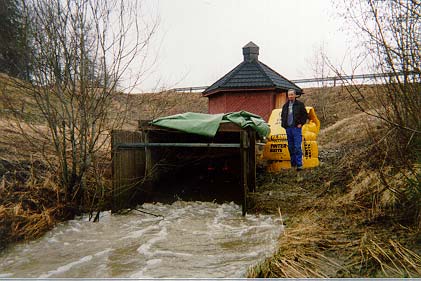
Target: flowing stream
[(191, 239)]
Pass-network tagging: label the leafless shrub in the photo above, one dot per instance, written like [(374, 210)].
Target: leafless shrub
[(82, 49), (390, 32)]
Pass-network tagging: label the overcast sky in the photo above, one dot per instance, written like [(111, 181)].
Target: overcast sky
[(198, 41)]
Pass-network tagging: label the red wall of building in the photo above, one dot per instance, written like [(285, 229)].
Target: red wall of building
[(217, 104), (260, 103)]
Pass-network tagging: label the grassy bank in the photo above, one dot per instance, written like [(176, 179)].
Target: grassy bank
[(341, 220), (338, 223)]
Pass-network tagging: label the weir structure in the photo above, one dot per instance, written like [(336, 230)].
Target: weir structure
[(156, 164)]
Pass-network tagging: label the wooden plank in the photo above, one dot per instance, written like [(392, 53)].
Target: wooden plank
[(148, 155), (252, 160), (244, 169), (204, 145), (127, 167), (143, 123), (229, 127), (223, 127)]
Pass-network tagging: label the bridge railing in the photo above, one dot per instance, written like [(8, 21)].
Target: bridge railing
[(333, 79)]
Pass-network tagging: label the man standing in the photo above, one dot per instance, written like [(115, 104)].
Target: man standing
[(294, 116)]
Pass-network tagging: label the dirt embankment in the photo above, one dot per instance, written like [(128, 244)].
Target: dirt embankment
[(340, 220)]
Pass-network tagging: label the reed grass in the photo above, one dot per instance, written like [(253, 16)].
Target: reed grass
[(343, 222), (30, 203)]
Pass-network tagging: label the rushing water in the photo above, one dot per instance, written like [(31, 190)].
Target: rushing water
[(191, 239)]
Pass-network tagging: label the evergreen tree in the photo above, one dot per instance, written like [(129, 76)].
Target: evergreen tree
[(14, 44)]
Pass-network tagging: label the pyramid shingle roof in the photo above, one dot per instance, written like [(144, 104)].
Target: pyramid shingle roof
[(251, 73)]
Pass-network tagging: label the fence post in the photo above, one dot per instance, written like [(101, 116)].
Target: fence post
[(244, 168), (252, 160)]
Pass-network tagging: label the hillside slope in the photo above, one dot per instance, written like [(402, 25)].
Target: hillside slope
[(340, 220)]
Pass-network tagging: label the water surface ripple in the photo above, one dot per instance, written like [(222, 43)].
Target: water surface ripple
[(192, 239)]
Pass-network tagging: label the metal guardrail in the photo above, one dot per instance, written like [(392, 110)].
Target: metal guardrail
[(190, 89), (333, 79), (349, 77)]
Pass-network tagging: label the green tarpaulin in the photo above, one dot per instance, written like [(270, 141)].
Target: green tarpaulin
[(208, 124)]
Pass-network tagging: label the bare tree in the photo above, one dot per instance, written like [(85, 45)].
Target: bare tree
[(82, 50), (390, 33)]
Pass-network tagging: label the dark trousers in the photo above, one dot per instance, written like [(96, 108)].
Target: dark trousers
[(295, 139)]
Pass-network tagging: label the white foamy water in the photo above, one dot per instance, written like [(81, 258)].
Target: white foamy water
[(191, 240)]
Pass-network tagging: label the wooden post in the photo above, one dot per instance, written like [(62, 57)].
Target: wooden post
[(244, 168), (252, 161), (148, 156), (113, 170)]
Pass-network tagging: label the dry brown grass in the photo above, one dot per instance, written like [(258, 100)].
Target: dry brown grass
[(149, 106), (333, 104), (355, 128), (393, 259), (30, 204), (300, 253), (342, 234), (341, 219)]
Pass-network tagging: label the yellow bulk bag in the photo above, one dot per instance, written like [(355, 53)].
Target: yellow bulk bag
[(309, 136), (310, 149), (277, 165), (311, 162), (276, 148), (310, 154)]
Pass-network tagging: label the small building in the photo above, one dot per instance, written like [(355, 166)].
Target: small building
[(251, 86)]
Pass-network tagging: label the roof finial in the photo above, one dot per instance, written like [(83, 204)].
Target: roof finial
[(251, 52)]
